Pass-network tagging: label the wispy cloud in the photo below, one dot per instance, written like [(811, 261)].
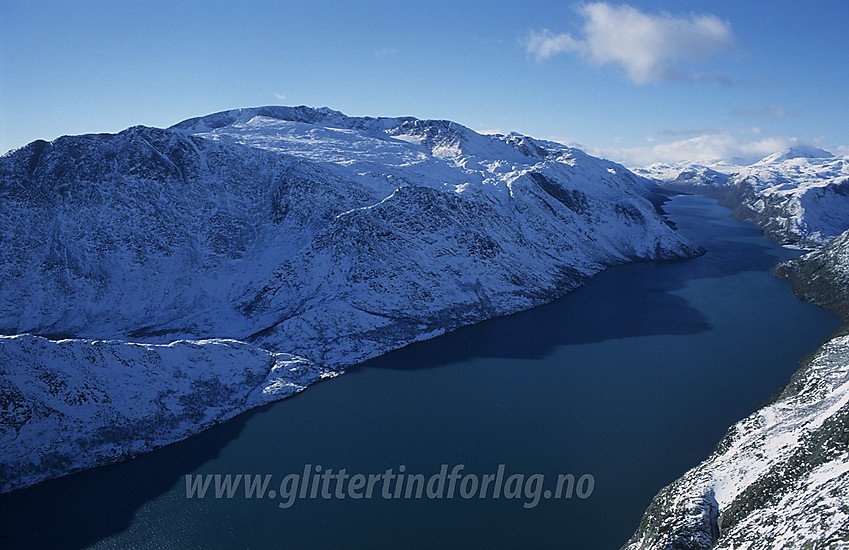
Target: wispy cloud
[(650, 48), (712, 130), (383, 52), (770, 110), (702, 148), (281, 97)]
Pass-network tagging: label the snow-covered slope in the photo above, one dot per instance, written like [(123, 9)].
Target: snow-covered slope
[(779, 478), (77, 403), (149, 232), (288, 230), (464, 226), (799, 196)]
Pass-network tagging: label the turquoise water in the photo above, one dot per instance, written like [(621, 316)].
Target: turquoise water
[(631, 379)]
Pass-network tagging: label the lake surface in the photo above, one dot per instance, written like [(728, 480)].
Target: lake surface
[(632, 379)]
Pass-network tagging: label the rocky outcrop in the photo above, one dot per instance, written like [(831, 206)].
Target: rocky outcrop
[(821, 277), (779, 478)]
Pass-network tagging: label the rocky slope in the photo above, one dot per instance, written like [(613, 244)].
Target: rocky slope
[(779, 478), (258, 232), (821, 277), (77, 403)]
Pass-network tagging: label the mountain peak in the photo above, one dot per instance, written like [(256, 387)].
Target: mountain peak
[(799, 151), (301, 113)]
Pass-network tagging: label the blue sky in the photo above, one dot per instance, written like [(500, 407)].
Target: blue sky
[(638, 82)]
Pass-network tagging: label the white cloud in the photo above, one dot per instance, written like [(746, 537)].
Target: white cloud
[(770, 110), (383, 52), (650, 48), (702, 130), (543, 44), (703, 148), (281, 97)]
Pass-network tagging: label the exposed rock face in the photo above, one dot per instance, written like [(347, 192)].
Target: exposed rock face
[(258, 232)]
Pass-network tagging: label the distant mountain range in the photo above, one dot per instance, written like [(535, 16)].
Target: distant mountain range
[(799, 196)]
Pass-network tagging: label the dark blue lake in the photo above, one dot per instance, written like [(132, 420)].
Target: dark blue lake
[(633, 379)]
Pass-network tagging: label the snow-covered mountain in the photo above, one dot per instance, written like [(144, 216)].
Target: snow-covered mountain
[(799, 196), (794, 153), (689, 176), (288, 235), (697, 178)]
